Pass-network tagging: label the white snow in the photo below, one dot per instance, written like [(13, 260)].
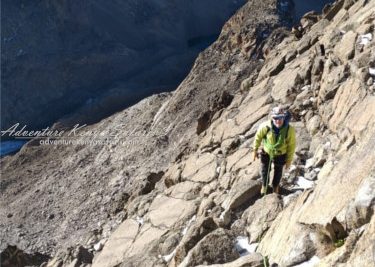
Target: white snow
[(303, 183), (310, 263), (292, 167), (188, 224), (253, 247), (317, 170), (371, 71), (365, 38), (309, 163), (168, 257), (366, 192), (218, 169), (327, 145), (98, 246), (222, 216), (157, 116), (140, 220), (361, 229), (306, 87), (243, 247), (289, 171)]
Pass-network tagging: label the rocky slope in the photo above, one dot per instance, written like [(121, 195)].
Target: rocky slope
[(185, 191), (46, 193)]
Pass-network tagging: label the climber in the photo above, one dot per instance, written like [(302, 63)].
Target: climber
[(278, 140)]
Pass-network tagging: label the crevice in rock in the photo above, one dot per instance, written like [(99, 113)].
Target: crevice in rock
[(334, 230), (195, 234), (82, 256), (331, 10), (121, 200), (151, 180), (13, 256), (205, 120), (234, 145)]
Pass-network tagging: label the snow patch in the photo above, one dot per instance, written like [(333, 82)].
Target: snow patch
[(317, 170), (303, 183), (366, 192), (99, 246), (222, 216), (327, 145), (365, 39), (168, 257), (309, 163), (157, 116), (306, 87), (310, 263), (188, 224), (243, 247), (139, 220), (292, 167), (371, 71)]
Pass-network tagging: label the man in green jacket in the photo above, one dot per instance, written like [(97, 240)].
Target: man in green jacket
[(278, 140)]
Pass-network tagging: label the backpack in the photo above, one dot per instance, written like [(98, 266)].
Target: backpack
[(280, 140)]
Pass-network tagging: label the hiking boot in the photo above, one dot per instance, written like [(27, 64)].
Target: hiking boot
[(276, 189)]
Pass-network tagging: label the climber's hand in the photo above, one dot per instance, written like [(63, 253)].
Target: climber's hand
[(255, 155)]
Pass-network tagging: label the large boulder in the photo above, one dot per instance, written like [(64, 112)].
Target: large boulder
[(200, 168), (216, 247), (259, 217), (116, 248), (363, 253), (288, 242), (240, 193), (194, 234), (165, 212), (345, 48)]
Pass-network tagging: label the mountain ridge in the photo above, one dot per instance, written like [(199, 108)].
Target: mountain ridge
[(196, 197)]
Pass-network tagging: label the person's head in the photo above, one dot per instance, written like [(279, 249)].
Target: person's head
[(278, 115)]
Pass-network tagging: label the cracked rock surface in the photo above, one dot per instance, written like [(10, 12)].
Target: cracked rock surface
[(184, 196)]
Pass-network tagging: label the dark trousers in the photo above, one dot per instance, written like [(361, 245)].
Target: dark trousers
[(278, 164)]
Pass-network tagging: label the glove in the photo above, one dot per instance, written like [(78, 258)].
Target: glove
[(255, 155)]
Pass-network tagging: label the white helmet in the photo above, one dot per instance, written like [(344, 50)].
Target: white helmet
[(278, 113)]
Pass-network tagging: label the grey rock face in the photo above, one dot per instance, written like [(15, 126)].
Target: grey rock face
[(207, 251), (87, 192), (179, 187)]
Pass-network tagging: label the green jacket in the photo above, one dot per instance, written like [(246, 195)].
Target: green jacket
[(288, 147)]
